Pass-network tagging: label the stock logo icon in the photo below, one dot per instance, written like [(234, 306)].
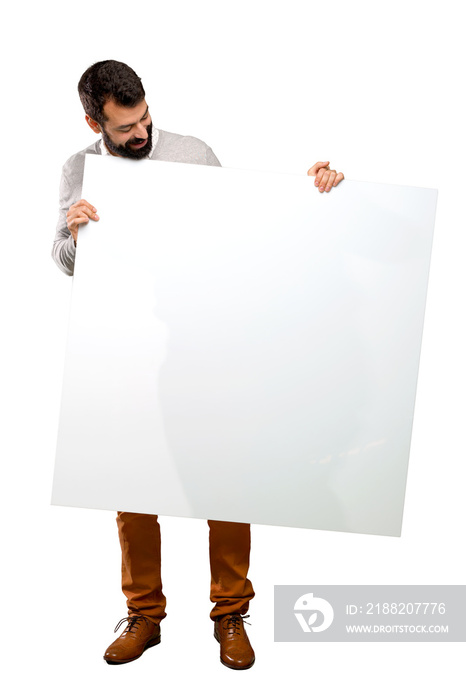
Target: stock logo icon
[(309, 609)]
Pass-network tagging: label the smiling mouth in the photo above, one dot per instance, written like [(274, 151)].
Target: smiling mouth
[(138, 145)]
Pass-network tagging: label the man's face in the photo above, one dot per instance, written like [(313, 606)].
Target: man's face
[(127, 131)]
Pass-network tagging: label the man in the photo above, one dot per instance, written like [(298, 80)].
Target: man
[(115, 108)]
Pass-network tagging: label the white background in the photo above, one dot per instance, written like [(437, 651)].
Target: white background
[(377, 88)]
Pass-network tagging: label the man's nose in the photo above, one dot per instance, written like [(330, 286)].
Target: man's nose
[(140, 131)]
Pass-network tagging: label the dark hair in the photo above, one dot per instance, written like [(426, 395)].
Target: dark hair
[(109, 80)]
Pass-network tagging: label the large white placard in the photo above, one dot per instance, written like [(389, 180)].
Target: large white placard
[(242, 347)]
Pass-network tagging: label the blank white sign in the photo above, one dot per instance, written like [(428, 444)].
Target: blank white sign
[(242, 347)]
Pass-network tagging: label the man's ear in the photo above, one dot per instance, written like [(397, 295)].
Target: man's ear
[(93, 124)]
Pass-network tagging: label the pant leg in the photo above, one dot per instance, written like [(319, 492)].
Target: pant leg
[(229, 548), (141, 580)]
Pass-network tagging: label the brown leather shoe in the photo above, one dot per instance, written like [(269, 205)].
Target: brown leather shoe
[(235, 648), (140, 634)]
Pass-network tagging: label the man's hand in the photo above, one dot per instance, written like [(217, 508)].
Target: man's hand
[(79, 213), (325, 178)]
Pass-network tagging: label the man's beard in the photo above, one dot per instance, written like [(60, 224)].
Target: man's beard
[(125, 150)]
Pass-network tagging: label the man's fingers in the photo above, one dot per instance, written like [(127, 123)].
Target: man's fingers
[(85, 203), (83, 209), (319, 175), (80, 220), (330, 180), (91, 213), (325, 178), (74, 222), (317, 166), (74, 217), (80, 213), (322, 178)]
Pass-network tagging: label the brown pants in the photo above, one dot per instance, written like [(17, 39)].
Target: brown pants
[(229, 547)]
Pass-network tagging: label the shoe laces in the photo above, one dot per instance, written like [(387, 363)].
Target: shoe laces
[(133, 621), (233, 623)]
